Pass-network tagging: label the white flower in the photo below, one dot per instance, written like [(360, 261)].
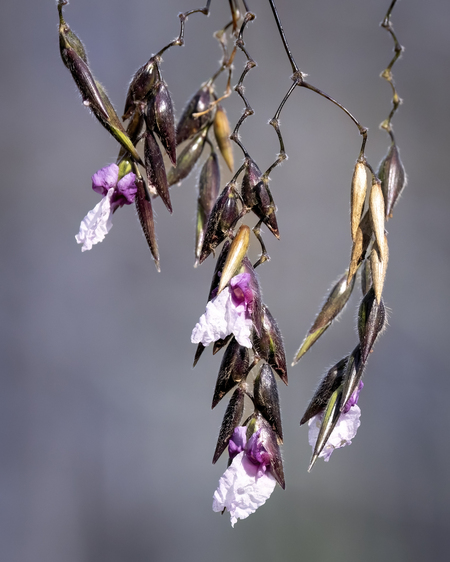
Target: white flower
[(227, 313), (342, 434), (240, 489), (97, 223)]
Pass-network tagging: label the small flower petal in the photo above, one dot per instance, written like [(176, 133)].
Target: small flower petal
[(237, 441), (96, 224), (105, 179), (342, 434), (125, 191), (240, 491)]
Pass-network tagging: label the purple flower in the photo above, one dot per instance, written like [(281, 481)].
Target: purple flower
[(247, 483), (227, 313), (116, 193), (345, 429)]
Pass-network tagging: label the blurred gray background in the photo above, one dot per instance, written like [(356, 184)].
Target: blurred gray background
[(106, 431)]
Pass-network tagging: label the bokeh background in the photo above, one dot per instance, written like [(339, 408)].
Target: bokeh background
[(106, 431)]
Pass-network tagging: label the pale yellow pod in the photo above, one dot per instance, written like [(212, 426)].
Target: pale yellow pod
[(236, 254), (357, 250), (222, 133), (378, 266), (377, 214), (359, 190)]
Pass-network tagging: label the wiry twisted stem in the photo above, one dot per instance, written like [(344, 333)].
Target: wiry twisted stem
[(387, 72)]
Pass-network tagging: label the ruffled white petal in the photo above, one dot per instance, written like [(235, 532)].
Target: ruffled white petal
[(221, 318), (96, 224), (240, 491), (342, 434)]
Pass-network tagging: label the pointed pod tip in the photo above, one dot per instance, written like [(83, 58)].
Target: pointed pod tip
[(313, 462)]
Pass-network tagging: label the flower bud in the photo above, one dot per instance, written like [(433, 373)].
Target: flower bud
[(160, 112), (140, 85), (359, 188), (209, 184), (189, 125), (187, 159), (233, 369), (223, 217), (371, 321), (145, 214), (393, 178), (335, 303), (378, 266), (266, 400), (329, 384), (156, 171), (222, 133), (270, 345), (236, 254), (231, 419)]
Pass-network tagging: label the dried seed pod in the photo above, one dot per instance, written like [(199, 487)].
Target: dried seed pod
[(156, 171), (236, 254), (393, 178), (189, 125), (160, 113), (371, 321), (366, 277), (266, 400), (330, 419), (209, 184), (352, 376), (331, 381), (223, 217), (360, 245), (145, 214), (335, 303), (274, 348), (142, 82), (359, 189), (250, 180), (378, 266), (270, 443), (222, 133), (233, 369), (231, 419), (377, 214), (187, 159)]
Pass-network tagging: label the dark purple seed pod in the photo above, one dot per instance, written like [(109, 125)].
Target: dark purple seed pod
[(276, 354), (198, 353), (352, 376), (219, 344), (334, 305), (270, 442), (266, 399), (145, 214), (209, 185), (250, 180), (331, 381), (223, 217), (156, 171), (67, 38), (187, 159), (371, 321), (233, 369), (231, 419), (188, 125), (393, 178), (220, 262), (265, 207), (85, 82), (160, 118), (142, 82)]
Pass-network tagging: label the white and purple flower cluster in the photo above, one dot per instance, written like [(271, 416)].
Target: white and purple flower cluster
[(247, 483), (116, 193), (345, 429), (229, 312)]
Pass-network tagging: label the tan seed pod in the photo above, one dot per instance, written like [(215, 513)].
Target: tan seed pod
[(378, 266), (236, 254), (377, 214), (359, 189), (357, 251), (222, 133)]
